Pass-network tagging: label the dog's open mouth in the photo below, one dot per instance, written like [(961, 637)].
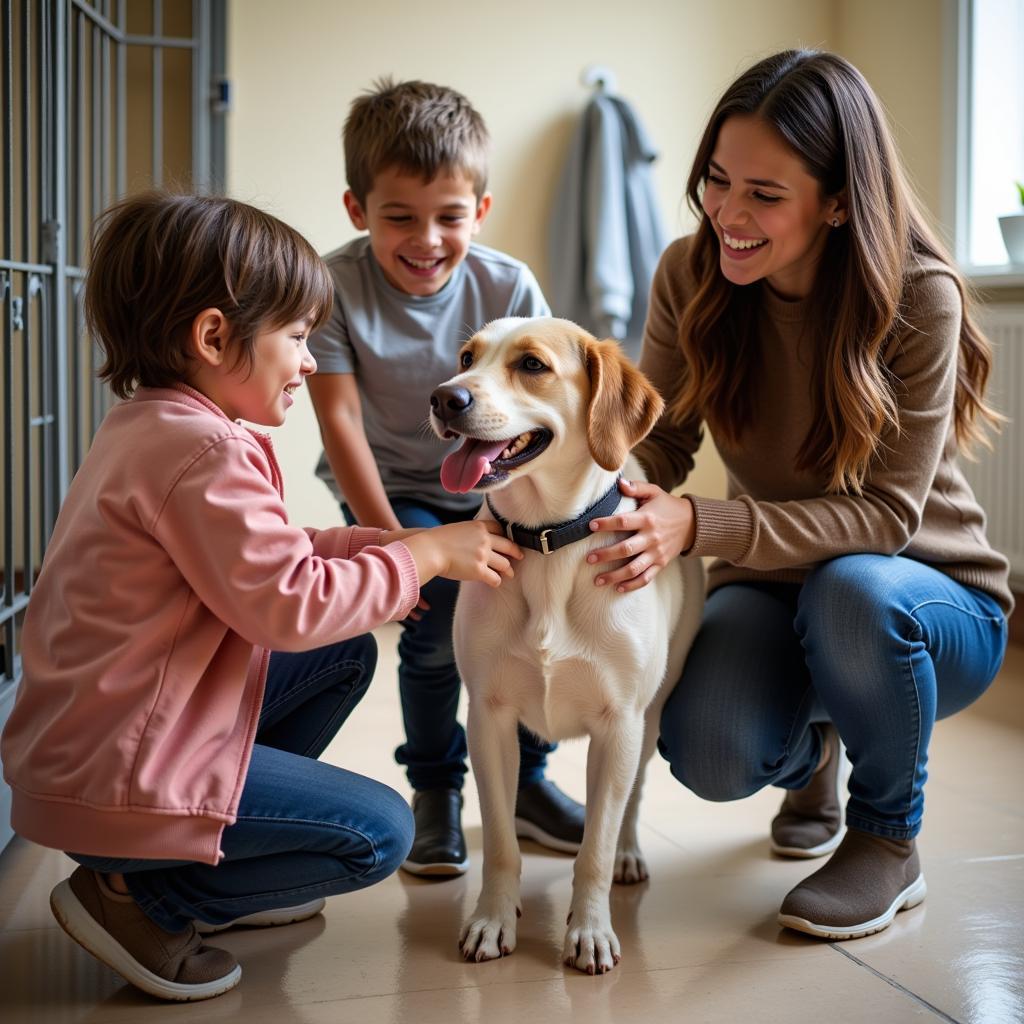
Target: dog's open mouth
[(479, 463)]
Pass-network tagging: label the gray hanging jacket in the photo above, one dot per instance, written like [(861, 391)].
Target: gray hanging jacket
[(606, 229)]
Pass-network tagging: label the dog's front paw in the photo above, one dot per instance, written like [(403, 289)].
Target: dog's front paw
[(630, 866), (591, 946), (490, 932)]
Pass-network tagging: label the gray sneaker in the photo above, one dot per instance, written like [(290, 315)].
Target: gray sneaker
[(810, 820), (112, 927), (864, 885)]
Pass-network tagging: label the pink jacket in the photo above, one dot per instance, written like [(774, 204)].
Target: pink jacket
[(171, 574)]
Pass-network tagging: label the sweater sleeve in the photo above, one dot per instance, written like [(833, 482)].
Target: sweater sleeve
[(769, 535), (667, 453), (343, 541), (225, 526)]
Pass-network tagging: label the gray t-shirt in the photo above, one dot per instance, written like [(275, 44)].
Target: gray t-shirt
[(400, 347)]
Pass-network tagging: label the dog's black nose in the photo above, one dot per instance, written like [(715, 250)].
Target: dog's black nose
[(448, 402)]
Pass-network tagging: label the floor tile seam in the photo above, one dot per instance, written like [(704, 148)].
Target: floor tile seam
[(21, 929), (695, 851), (717, 961), (1010, 810), (403, 992), (661, 835), (913, 996), (696, 965), (997, 861), (973, 796)]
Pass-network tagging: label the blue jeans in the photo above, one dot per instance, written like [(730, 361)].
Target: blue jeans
[(434, 752), (882, 646), (305, 829)]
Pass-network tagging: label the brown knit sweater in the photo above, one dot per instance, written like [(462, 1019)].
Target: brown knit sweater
[(778, 521)]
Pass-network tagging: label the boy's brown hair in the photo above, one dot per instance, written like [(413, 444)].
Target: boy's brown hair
[(158, 260), (416, 127)]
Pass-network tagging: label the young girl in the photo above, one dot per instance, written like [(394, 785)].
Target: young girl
[(819, 330), (155, 737)]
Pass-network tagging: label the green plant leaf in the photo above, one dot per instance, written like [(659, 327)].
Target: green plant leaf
[(1020, 189)]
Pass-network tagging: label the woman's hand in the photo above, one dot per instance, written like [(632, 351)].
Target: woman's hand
[(662, 528)]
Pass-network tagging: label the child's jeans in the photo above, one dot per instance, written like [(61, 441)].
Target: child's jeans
[(305, 829), (880, 645), (434, 752)]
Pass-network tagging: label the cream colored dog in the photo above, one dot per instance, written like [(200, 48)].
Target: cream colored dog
[(549, 415)]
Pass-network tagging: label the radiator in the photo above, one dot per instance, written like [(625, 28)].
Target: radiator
[(998, 476)]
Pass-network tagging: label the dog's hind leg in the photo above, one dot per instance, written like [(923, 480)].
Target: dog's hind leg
[(591, 944), (630, 866), (494, 752)]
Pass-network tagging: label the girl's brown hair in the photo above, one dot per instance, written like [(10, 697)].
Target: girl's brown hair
[(157, 260), (827, 113)]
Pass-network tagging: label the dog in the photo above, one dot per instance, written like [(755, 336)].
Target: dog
[(548, 415)]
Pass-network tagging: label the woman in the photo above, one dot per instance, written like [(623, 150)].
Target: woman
[(818, 329)]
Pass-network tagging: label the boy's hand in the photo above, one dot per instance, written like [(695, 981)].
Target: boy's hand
[(473, 550)]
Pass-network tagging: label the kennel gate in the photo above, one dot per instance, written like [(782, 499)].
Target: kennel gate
[(98, 99)]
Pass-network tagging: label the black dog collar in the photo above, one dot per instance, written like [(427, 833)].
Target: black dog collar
[(550, 538)]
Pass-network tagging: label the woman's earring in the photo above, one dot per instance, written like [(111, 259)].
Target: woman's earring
[(835, 222)]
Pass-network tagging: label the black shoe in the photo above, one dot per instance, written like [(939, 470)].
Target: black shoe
[(440, 846), (548, 816)]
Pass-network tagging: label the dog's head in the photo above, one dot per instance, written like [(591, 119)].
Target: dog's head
[(539, 392)]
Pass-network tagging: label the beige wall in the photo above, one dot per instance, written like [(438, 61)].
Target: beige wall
[(898, 46), (296, 67)]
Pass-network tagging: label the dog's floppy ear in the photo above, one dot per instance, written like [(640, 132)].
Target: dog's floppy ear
[(623, 404)]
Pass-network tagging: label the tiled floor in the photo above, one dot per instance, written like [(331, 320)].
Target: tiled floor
[(699, 939)]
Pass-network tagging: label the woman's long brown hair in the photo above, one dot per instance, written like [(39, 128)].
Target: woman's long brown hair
[(822, 107)]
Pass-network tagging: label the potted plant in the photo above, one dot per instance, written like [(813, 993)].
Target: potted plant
[(1012, 226)]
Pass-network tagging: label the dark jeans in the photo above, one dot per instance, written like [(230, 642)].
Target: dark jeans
[(434, 752), (882, 646), (305, 829)]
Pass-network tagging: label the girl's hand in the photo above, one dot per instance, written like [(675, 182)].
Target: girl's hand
[(389, 537), (662, 527), (477, 550), (474, 550)]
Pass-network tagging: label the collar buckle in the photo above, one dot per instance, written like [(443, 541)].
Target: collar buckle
[(552, 538)]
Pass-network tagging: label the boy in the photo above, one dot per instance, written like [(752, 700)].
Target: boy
[(407, 295)]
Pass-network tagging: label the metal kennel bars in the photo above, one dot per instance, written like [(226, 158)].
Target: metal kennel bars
[(98, 99)]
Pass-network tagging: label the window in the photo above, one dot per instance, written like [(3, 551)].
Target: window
[(992, 69)]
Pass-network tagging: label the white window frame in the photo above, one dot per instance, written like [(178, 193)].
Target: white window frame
[(956, 192)]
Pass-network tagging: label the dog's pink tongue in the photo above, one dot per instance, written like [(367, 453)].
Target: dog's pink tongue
[(461, 471)]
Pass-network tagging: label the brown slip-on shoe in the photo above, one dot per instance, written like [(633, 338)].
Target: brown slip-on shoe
[(865, 883), (112, 927), (810, 821)]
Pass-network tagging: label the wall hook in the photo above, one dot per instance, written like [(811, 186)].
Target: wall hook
[(599, 78)]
